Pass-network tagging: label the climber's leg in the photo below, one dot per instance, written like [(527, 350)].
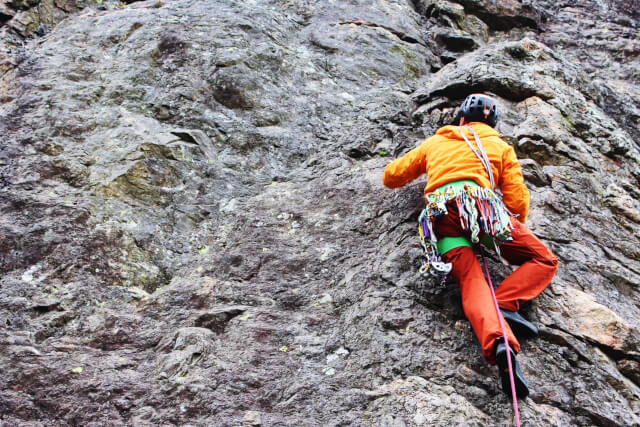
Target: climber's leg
[(537, 267)]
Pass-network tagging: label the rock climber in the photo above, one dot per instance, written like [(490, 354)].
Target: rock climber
[(463, 209)]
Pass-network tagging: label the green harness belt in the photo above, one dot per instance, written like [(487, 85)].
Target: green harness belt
[(447, 243)]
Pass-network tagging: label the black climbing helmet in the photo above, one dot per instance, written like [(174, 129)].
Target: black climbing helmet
[(480, 108)]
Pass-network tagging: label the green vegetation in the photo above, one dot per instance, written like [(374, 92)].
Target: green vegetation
[(411, 62)]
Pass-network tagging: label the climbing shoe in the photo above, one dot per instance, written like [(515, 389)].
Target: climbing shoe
[(522, 387), (519, 325)]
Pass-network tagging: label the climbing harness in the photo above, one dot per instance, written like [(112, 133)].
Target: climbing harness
[(505, 339), (480, 211)]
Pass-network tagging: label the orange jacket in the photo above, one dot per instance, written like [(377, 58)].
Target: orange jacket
[(446, 157)]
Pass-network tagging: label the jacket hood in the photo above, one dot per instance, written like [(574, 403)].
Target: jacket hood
[(483, 130)]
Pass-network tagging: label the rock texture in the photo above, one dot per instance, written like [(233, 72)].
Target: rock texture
[(193, 228)]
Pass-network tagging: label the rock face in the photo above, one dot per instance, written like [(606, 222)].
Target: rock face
[(193, 228)]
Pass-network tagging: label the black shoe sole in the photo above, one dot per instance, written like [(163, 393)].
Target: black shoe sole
[(522, 388), (520, 329)]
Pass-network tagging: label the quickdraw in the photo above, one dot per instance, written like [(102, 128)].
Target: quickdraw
[(433, 265), (480, 210)]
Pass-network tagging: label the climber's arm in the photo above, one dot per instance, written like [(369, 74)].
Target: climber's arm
[(406, 168)]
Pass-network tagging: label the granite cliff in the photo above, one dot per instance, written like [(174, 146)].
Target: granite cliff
[(193, 228)]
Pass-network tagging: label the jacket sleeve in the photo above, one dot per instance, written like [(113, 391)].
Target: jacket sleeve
[(515, 194), (406, 168)]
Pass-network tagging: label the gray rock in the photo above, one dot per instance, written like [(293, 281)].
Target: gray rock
[(194, 229)]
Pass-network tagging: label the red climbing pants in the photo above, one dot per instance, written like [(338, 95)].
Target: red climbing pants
[(537, 265)]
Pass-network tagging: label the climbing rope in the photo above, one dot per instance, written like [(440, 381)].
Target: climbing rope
[(480, 153), (506, 341)]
